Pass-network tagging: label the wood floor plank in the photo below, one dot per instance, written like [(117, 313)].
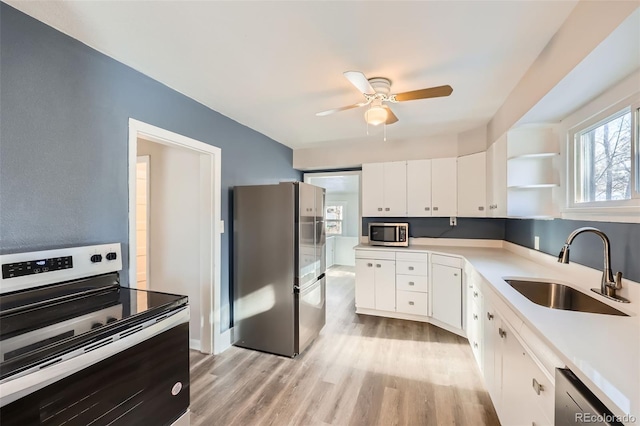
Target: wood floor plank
[(361, 370)]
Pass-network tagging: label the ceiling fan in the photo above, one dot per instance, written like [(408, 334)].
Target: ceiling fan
[(377, 90)]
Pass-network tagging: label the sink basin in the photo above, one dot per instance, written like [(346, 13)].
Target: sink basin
[(560, 296)]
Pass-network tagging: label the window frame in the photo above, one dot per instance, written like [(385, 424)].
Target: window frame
[(342, 221), (631, 104)]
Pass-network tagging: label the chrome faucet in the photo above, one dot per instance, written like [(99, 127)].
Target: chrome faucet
[(608, 285)]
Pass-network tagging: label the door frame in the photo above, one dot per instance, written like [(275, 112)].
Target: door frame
[(211, 226), (144, 159), (308, 175)]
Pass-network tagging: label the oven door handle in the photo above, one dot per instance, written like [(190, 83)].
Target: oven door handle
[(14, 389)]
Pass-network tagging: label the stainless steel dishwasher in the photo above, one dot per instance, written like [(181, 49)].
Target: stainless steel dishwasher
[(577, 405)]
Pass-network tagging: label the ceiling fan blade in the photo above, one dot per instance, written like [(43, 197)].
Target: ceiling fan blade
[(359, 81), (344, 108), (391, 117), (432, 92)]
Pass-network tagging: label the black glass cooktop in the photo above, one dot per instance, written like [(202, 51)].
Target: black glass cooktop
[(40, 324)]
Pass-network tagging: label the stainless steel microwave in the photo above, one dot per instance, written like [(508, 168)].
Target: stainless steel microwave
[(389, 234)]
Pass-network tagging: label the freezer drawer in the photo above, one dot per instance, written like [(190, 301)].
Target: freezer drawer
[(310, 310)]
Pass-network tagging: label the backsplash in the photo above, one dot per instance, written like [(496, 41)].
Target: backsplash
[(586, 249), (436, 227)]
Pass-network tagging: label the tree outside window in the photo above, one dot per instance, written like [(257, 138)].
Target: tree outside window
[(334, 216), (603, 161)]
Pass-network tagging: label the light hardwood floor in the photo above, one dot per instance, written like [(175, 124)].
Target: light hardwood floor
[(361, 370)]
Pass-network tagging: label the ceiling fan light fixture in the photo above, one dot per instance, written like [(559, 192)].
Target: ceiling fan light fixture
[(376, 115)]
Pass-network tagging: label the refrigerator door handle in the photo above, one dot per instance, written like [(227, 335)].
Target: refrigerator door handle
[(299, 290)]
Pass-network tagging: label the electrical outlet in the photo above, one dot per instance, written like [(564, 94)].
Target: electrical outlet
[(453, 221), (536, 242)]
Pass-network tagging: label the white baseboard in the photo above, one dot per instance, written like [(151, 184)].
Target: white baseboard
[(224, 342), (195, 344)]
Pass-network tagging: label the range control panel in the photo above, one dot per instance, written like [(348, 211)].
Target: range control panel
[(28, 270), (19, 269)]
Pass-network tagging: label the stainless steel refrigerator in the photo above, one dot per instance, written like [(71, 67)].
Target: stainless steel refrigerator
[(279, 266)]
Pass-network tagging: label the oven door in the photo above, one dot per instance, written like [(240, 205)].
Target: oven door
[(140, 379)]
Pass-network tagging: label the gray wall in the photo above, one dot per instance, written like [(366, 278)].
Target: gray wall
[(64, 111), (586, 248)]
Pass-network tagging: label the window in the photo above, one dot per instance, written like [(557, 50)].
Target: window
[(334, 219), (605, 161)]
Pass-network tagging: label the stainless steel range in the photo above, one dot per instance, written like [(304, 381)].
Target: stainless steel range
[(76, 348)]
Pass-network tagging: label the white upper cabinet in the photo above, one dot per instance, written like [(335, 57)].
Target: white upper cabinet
[(444, 187), (472, 185), (372, 189), (395, 188), (384, 189), (497, 178), (419, 188)]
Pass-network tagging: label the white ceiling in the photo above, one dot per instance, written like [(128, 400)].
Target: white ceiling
[(272, 65)]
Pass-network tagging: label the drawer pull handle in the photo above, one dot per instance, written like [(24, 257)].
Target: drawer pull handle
[(481, 208), (537, 386), (455, 275), (502, 333), (475, 294), (489, 316), (378, 265), (475, 317), (411, 283), (369, 265), (426, 209), (411, 268), (386, 209), (435, 209), (411, 303), (379, 209)]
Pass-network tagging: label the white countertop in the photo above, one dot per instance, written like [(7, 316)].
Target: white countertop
[(602, 350)]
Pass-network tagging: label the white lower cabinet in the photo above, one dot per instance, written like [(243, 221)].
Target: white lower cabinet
[(389, 282), (446, 294), (527, 394), (365, 284), (375, 284), (521, 392), (385, 285)]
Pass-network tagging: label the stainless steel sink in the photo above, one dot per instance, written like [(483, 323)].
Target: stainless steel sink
[(560, 296)]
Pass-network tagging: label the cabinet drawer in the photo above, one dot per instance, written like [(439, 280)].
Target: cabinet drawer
[(411, 268), (455, 262), (411, 302), (411, 283), (375, 254), (416, 257)]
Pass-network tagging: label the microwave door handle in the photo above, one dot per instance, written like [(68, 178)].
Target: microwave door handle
[(397, 234)]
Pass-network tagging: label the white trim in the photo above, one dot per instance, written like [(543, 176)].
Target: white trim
[(195, 344), (613, 211), (310, 174), (146, 159), (213, 340)]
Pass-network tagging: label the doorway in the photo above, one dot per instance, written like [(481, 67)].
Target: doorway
[(181, 226), (342, 214)]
